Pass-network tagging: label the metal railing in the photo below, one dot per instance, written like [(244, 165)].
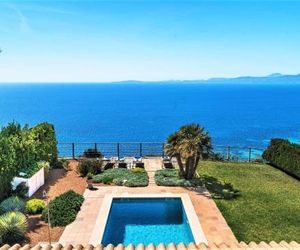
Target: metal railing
[(112, 149), (140, 149)]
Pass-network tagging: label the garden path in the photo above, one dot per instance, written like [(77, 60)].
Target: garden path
[(151, 165)]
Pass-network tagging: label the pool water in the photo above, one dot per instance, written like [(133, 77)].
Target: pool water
[(147, 220)]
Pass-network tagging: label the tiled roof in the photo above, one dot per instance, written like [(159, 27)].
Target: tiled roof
[(262, 246)]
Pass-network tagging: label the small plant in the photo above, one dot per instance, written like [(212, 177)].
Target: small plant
[(13, 203), (62, 163), (21, 190), (35, 206), (138, 170), (63, 209), (13, 227), (89, 176), (92, 166), (92, 153)]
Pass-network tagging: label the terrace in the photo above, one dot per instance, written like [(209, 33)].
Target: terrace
[(130, 196)]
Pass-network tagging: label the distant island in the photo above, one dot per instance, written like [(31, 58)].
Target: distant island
[(275, 78)]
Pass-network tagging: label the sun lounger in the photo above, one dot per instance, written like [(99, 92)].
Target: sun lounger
[(122, 165), (168, 165), (139, 165), (108, 165)]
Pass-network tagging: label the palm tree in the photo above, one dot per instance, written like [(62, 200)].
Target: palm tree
[(188, 145)]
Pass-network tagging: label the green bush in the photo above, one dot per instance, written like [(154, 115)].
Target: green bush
[(138, 170), (35, 206), (122, 177), (45, 142), (13, 227), (8, 167), (62, 163), (92, 153), (92, 166), (20, 150), (170, 177), (63, 209), (284, 155), (35, 167), (21, 190), (13, 203)]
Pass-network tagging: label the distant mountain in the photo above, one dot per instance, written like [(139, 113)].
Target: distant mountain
[(275, 78)]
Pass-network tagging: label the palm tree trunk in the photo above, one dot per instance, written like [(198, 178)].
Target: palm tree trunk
[(180, 164), (190, 168)]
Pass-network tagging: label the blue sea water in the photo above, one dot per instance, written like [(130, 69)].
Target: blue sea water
[(141, 220), (238, 115)]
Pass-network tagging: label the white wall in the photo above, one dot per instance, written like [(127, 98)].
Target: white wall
[(33, 183)]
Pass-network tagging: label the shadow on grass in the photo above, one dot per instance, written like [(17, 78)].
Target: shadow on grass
[(218, 189)]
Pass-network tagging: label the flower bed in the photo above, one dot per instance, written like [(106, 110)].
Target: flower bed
[(123, 177)]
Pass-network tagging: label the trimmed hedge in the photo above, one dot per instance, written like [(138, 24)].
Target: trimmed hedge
[(123, 177), (63, 209), (284, 155)]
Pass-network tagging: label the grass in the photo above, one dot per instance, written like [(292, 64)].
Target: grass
[(123, 177), (268, 206)]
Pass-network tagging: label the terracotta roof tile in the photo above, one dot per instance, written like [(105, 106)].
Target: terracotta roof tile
[(282, 245)]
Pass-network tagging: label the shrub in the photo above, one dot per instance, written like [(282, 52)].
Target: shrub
[(92, 153), (63, 209), (62, 163), (8, 167), (13, 203), (170, 177), (284, 155), (92, 166), (13, 227), (46, 143), (123, 177), (21, 148), (21, 190), (35, 206), (35, 167), (138, 170), (89, 176)]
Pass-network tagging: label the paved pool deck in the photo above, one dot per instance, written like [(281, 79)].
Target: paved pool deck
[(213, 224)]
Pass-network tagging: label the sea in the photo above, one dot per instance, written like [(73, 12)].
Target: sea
[(239, 115)]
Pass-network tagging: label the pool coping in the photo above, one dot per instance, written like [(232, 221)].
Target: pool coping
[(102, 217)]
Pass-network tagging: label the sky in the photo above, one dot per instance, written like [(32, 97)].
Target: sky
[(103, 41)]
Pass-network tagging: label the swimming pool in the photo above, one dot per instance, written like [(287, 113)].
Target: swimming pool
[(147, 220)]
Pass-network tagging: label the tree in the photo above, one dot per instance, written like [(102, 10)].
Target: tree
[(188, 145)]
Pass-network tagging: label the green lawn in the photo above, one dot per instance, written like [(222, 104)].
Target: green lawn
[(268, 207)]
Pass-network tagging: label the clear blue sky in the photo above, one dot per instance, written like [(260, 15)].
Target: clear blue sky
[(146, 40)]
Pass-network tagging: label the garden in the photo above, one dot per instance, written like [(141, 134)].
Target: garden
[(28, 160), (260, 202)]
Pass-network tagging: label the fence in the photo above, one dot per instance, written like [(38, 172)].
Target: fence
[(140, 149)]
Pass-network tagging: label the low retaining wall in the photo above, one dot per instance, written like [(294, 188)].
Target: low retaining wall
[(33, 183)]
